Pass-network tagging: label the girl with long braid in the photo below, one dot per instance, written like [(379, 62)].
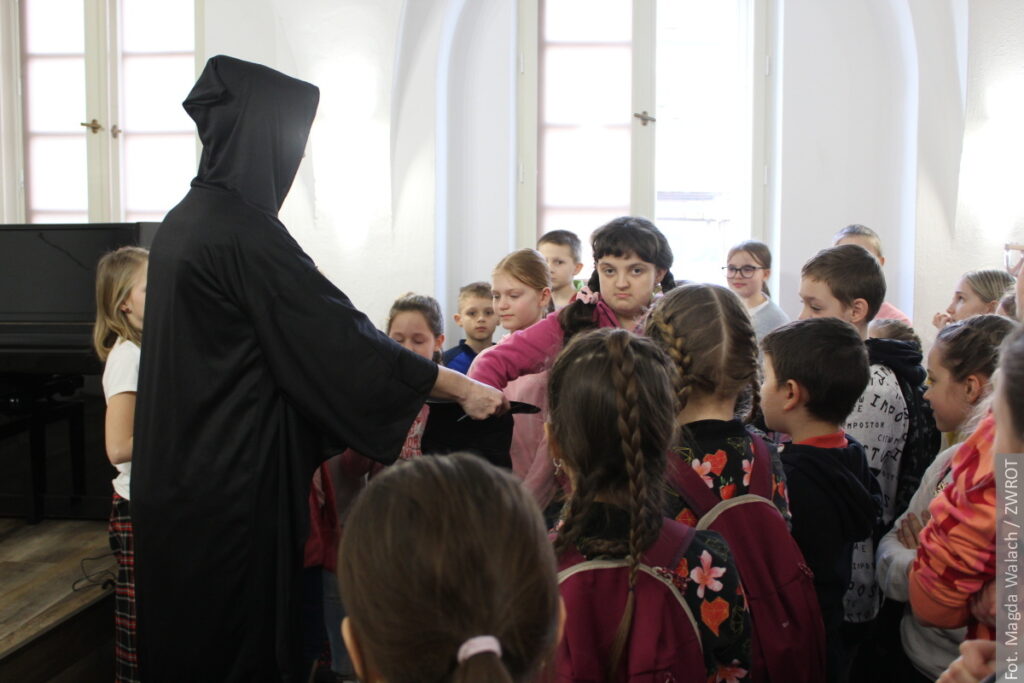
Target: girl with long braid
[(711, 340), (611, 438)]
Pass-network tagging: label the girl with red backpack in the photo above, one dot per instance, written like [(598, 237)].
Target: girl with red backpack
[(647, 598), (727, 479)]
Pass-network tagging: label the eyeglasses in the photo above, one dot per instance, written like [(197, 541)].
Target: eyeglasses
[(745, 272), (1013, 256)]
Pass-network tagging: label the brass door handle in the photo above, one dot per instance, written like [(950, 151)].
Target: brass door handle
[(93, 125)]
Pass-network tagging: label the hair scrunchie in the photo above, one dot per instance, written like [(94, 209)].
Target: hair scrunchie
[(478, 645)]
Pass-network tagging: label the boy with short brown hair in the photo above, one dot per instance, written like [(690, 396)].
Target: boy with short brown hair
[(477, 318)]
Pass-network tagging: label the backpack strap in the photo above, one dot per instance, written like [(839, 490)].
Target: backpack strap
[(665, 555)]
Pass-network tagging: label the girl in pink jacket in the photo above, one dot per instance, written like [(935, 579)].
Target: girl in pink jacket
[(632, 262)]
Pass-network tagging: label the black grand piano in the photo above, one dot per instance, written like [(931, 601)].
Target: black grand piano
[(47, 310)]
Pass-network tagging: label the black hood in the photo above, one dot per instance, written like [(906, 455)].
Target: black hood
[(841, 476), (253, 123), (903, 357)]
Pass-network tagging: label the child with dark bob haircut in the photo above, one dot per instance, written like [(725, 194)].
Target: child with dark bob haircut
[(447, 574), (815, 370)]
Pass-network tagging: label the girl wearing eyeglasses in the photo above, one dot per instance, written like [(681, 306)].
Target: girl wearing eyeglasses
[(750, 265)]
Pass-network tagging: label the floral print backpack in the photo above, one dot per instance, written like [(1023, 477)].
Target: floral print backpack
[(665, 641)]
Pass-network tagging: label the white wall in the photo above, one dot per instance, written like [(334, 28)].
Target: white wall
[(986, 198), (846, 133), (409, 180)]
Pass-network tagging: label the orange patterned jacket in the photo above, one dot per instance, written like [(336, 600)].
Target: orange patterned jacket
[(957, 555)]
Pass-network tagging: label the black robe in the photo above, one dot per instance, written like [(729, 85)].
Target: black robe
[(251, 362)]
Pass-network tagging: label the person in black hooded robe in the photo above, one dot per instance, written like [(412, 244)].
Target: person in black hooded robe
[(253, 364)]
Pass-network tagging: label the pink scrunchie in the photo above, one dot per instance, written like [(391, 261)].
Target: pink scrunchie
[(478, 645), (587, 296)]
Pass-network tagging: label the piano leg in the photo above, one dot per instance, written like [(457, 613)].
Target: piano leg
[(37, 467), (76, 446)]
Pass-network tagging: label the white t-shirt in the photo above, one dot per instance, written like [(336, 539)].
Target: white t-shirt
[(879, 422), (121, 375)]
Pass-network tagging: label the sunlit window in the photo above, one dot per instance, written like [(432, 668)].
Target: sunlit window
[(701, 168), (136, 161)]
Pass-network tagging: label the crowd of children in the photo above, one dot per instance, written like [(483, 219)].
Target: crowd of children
[(708, 491)]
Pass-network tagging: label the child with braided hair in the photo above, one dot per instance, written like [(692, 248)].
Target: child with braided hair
[(717, 363), (644, 595), (727, 479)]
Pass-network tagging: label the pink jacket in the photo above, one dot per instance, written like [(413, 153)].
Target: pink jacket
[(529, 351), (518, 365)]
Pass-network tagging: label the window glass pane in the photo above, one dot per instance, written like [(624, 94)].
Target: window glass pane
[(587, 85), (588, 20), (165, 26), (703, 155), (157, 171), (53, 27), (154, 88), (70, 217), (586, 167), (145, 217), (57, 173), (55, 94)]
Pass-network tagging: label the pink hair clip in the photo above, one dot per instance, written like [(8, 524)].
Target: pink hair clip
[(587, 296)]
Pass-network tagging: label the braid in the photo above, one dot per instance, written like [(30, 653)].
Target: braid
[(675, 345), (644, 512), (581, 500), (755, 400)]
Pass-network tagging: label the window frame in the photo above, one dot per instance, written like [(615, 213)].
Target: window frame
[(643, 141), (103, 79)]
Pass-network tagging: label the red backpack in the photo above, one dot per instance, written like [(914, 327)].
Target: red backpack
[(789, 635), (664, 642)]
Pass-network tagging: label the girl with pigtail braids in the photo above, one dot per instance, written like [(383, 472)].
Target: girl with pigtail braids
[(611, 439), (710, 338)]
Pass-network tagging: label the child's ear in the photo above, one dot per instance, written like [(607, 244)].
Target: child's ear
[(858, 311), (458, 319), (545, 298), (579, 267), (553, 448), (795, 395), (439, 342), (355, 651), (973, 387), (562, 615)]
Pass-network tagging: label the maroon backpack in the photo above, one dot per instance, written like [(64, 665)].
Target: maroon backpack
[(789, 635), (664, 642)]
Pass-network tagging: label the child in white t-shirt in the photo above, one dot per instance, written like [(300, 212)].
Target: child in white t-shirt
[(120, 304)]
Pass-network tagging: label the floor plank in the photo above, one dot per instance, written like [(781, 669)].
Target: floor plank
[(39, 565)]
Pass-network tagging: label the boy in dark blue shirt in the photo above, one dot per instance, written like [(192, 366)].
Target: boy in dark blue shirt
[(476, 316), (815, 370)]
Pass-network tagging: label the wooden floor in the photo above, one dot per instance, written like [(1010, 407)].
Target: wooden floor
[(39, 567)]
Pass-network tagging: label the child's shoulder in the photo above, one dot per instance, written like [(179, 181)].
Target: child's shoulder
[(124, 349)]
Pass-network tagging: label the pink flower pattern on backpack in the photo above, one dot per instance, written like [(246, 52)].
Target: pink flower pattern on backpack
[(706, 576), (730, 674), (703, 468)]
